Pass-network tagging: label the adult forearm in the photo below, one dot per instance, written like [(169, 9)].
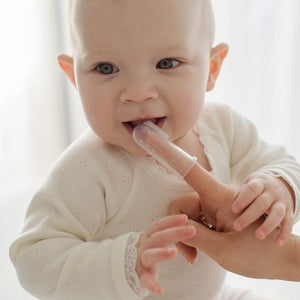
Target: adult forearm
[(290, 270)]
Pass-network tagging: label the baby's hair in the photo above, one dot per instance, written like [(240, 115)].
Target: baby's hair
[(207, 13)]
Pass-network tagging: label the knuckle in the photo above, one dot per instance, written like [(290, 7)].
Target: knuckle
[(145, 259), (158, 223), (279, 210), (154, 227), (251, 186), (159, 237), (289, 221), (142, 242), (262, 204), (254, 186)]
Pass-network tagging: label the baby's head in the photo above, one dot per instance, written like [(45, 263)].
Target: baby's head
[(136, 60)]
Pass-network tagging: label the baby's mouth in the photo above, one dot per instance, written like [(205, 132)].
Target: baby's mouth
[(130, 125)]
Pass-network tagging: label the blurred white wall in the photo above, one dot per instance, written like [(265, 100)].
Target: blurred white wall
[(261, 79)]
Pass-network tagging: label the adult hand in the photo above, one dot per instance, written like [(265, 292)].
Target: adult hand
[(242, 252), (214, 197), (239, 252)]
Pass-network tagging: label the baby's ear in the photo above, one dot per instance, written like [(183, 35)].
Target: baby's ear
[(217, 55), (67, 65)]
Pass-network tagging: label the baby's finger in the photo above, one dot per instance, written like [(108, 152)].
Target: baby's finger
[(247, 194), (253, 212), (170, 236), (275, 216), (149, 282), (285, 230), (154, 256), (167, 222)]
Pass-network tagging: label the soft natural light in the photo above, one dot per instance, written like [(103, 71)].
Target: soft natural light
[(32, 94), (40, 113), (18, 30)]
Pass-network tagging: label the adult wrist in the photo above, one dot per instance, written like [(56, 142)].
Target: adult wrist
[(293, 256), (286, 265)]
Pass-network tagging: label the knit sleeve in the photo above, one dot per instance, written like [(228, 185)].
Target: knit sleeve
[(250, 153), (62, 252)]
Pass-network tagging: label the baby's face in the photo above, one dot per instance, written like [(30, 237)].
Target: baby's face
[(138, 60)]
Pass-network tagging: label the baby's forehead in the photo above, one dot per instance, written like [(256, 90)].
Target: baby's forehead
[(82, 12)]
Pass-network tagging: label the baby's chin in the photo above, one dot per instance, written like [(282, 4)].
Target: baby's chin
[(132, 148), (135, 150)]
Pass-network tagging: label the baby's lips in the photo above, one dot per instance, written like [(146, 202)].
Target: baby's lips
[(155, 141)]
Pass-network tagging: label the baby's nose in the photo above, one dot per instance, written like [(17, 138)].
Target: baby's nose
[(139, 89)]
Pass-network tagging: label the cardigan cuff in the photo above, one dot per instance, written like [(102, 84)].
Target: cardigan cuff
[(118, 253)]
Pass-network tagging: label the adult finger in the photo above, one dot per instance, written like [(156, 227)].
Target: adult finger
[(206, 240), (155, 141), (189, 205), (188, 252)]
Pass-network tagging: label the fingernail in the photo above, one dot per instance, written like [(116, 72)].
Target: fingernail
[(235, 209), (280, 243), (192, 229), (171, 250), (237, 226), (184, 217), (158, 290), (260, 234)]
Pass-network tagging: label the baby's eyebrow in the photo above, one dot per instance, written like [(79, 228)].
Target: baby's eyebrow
[(180, 51), (179, 47), (91, 56)]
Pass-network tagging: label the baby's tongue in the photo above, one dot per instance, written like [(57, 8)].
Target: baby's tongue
[(138, 122)]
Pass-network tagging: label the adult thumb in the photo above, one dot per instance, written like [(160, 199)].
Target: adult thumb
[(208, 241)]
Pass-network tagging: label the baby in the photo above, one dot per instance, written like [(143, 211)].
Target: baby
[(99, 228)]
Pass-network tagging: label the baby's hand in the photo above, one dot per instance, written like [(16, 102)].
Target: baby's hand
[(153, 248), (265, 194)]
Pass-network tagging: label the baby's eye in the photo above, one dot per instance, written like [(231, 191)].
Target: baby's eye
[(167, 63), (106, 68)]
